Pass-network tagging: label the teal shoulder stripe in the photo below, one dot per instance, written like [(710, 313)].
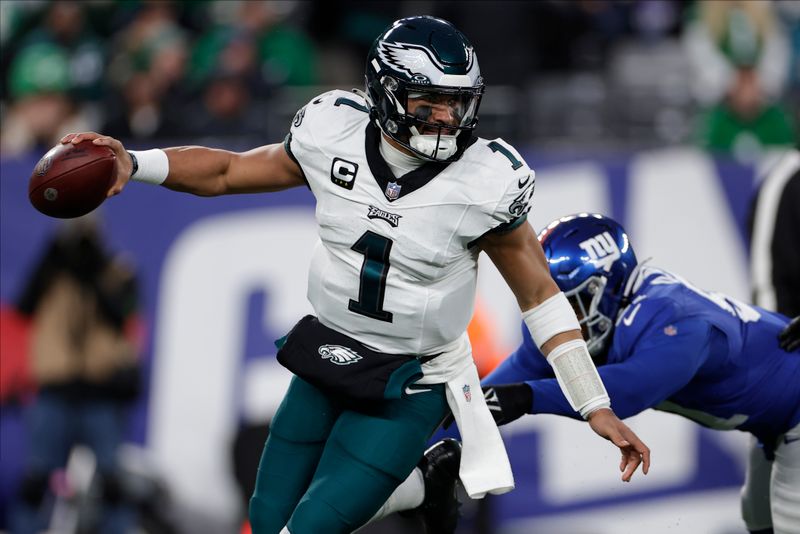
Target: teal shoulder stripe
[(504, 228), (287, 145), (352, 103), (510, 225)]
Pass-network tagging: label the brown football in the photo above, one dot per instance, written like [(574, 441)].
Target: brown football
[(72, 180)]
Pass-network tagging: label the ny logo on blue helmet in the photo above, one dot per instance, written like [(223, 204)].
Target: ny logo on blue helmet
[(591, 260), (602, 250)]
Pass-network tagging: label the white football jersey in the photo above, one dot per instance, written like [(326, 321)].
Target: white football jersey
[(396, 266)]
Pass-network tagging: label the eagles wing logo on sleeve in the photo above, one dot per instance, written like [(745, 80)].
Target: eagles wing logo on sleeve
[(338, 354), (522, 202), (416, 61), (298, 117)]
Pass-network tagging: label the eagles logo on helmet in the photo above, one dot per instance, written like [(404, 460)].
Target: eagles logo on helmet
[(420, 71)]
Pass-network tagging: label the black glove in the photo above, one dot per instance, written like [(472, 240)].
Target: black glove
[(506, 402), (790, 337)]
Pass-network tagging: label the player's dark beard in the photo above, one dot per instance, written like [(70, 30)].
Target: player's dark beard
[(440, 128)]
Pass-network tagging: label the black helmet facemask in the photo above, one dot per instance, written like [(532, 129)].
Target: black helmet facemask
[(424, 87)]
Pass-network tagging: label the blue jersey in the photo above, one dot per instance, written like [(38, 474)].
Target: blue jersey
[(680, 349)]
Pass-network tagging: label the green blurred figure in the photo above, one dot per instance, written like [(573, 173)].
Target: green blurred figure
[(55, 76), (740, 53), (255, 38)]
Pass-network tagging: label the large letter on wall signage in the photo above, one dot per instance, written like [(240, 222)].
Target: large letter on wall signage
[(208, 276), (679, 215)]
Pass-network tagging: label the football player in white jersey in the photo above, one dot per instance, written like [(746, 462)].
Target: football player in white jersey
[(407, 197)]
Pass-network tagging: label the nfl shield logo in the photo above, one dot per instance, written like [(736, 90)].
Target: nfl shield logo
[(392, 190), (467, 393)]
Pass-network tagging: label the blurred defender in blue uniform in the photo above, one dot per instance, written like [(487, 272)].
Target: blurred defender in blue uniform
[(662, 343)]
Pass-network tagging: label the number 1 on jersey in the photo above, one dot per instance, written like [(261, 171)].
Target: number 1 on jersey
[(497, 147), (372, 286)]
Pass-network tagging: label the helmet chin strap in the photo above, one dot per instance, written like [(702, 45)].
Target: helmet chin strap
[(438, 147)]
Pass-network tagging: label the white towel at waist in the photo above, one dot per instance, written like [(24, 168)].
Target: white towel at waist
[(484, 463)]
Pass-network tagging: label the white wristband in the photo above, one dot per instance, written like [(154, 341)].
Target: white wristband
[(553, 316), (152, 166), (578, 377)]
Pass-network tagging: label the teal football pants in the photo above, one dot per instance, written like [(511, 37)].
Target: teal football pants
[(326, 468)]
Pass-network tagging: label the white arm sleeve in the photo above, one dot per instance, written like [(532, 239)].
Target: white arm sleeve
[(574, 369), (551, 317), (153, 166), (578, 378)]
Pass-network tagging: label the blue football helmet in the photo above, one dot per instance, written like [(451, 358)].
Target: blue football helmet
[(416, 66), (591, 260)]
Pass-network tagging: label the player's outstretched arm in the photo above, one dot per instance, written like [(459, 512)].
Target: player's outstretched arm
[(520, 259), (206, 171)]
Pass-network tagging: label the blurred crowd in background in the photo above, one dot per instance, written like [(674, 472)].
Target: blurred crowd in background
[(591, 74)]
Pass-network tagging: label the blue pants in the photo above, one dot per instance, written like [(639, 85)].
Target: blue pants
[(55, 424)]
